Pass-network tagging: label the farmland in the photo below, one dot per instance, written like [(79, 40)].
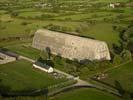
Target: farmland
[(95, 19), (122, 74), (86, 22), (20, 76), (82, 94)]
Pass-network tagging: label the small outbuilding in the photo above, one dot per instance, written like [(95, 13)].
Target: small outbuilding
[(6, 58), (43, 67)]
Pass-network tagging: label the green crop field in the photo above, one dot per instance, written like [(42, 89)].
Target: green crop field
[(20, 19), (25, 50), (122, 74), (85, 94), (20, 75), (30, 17)]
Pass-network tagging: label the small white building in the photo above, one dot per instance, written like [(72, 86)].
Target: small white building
[(43, 67), (114, 5), (111, 5)]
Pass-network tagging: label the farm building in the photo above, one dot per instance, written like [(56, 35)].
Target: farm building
[(43, 67), (71, 46), (6, 58)]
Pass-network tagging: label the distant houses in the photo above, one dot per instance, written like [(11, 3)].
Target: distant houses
[(114, 5), (43, 67)]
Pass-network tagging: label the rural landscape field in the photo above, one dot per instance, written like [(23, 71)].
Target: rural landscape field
[(66, 49)]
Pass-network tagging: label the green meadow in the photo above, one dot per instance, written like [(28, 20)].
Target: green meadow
[(123, 74), (85, 94), (21, 76), (20, 19)]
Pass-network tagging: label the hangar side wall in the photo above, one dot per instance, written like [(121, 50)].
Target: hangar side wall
[(69, 46)]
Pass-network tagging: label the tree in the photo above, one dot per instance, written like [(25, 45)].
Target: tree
[(117, 60), (44, 55), (127, 34), (58, 60), (125, 94), (119, 87), (126, 55), (130, 45), (116, 48), (14, 14), (48, 51), (55, 5)]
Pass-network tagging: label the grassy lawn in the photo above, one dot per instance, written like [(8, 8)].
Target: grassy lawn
[(85, 94), (25, 50), (98, 31), (20, 75), (90, 18), (123, 74)]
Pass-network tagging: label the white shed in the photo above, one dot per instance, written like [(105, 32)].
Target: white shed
[(43, 67)]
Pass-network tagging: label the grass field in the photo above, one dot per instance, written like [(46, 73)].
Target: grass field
[(25, 50), (97, 31), (105, 34), (90, 18), (101, 30), (85, 94), (20, 76), (122, 74)]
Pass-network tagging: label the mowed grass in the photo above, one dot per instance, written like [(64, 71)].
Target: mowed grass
[(20, 75), (102, 31), (122, 74), (11, 27), (25, 50), (85, 94)]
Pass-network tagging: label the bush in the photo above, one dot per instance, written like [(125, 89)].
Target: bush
[(14, 14), (126, 55), (24, 23), (58, 60), (130, 46), (58, 28), (117, 60)]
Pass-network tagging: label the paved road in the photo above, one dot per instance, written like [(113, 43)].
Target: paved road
[(79, 81)]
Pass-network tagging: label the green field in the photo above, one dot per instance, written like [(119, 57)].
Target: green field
[(20, 75), (25, 50), (19, 19), (122, 74), (73, 14), (85, 94)]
